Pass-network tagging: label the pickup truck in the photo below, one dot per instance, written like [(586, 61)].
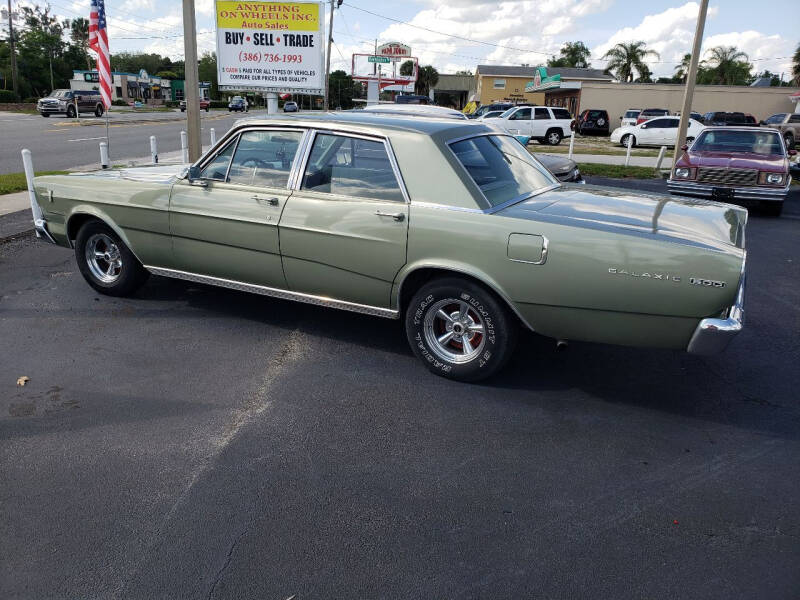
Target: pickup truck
[(204, 105), (788, 124)]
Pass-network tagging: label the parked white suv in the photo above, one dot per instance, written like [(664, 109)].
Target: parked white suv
[(630, 117), (547, 125)]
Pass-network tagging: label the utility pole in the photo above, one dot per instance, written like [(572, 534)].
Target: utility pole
[(328, 60), (11, 43), (192, 80), (690, 80)]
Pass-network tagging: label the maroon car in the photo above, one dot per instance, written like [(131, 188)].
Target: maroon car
[(735, 164)]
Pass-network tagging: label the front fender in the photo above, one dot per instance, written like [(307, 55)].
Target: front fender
[(83, 211)]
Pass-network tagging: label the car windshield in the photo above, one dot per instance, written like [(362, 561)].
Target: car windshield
[(501, 168), (507, 113), (59, 94), (631, 114), (753, 142)]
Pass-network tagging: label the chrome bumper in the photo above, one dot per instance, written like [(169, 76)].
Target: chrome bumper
[(690, 188), (40, 226), (713, 335)]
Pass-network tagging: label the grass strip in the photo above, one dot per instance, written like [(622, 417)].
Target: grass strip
[(15, 182), (618, 171)]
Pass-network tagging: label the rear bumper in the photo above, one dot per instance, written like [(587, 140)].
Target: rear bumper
[(713, 335), (703, 190)]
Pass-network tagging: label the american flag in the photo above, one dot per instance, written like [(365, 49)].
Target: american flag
[(98, 41)]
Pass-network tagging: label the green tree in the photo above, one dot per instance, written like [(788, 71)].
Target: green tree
[(40, 60), (407, 68), (167, 74), (207, 71), (572, 54), (427, 77), (796, 66), (342, 90), (645, 76), (728, 66), (625, 59), (79, 35)]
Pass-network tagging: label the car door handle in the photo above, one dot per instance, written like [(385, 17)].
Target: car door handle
[(270, 201), (396, 216)]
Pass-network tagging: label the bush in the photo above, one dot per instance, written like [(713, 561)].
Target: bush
[(30, 100), (7, 96), (219, 104), (172, 104), (119, 102)]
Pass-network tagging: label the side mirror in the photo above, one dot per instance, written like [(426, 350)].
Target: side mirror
[(193, 176), (685, 147)]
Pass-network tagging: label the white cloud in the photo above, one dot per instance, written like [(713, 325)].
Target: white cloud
[(761, 48)]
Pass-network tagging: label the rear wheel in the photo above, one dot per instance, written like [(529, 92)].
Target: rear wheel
[(98, 111), (459, 329), (71, 111), (105, 262), (553, 137)]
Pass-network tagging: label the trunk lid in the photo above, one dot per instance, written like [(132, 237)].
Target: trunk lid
[(694, 222), (149, 174)]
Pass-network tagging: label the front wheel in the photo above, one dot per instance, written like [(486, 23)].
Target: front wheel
[(460, 330), (626, 138), (71, 111), (105, 262), (789, 141), (98, 111)]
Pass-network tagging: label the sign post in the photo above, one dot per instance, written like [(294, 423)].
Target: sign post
[(270, 46), (192, 92)]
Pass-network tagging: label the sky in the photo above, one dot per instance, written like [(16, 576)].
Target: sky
[(455, 36)]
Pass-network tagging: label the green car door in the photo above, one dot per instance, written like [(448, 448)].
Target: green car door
[(344, 229), (225, 224)]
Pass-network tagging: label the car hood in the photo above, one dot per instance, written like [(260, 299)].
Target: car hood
[(739, 160), (152, 174), (701, 223), (556, 164)]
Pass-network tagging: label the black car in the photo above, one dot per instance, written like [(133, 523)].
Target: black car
[(729, 119), (593, 121), (482, 110), (412, 99)]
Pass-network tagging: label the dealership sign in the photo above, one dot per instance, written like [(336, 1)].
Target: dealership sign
[(394, 51), (270, 46), (542, 82)]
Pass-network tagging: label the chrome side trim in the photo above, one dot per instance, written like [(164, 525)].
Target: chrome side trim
[(367, 309), (713, 335), (445, 207)]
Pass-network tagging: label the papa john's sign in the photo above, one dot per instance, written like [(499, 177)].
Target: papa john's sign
[(395, 51), (542, 82), (270, 46)]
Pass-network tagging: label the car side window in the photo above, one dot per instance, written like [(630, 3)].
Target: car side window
[(217, 169), (656, 124), (264, 158), (563, 113), (350, 166), (794, 119), (523, 114), (541, 113)]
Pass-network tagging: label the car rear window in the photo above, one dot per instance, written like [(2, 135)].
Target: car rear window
[(502, 169), (561, 113), (632, 114)]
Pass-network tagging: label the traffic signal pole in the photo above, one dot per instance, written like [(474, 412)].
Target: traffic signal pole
[(192, 90), (688, 94)]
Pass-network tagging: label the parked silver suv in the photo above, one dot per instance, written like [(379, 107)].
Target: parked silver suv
[(71, 102)]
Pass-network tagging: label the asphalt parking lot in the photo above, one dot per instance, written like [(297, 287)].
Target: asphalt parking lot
[(197, 442)]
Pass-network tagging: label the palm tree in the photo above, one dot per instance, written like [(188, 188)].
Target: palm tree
[(627, 58), (427, 77), (79, 34), (796, 66), (682, 70), (729, 65)]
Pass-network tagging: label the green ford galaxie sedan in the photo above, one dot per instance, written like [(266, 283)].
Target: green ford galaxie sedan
[(449, 225)]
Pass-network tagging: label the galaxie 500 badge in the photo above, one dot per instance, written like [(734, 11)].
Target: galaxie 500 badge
[(667, 277)]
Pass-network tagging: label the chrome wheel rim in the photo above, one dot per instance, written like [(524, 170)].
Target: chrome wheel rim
[(553, 138), (104, 258), (454, 331)]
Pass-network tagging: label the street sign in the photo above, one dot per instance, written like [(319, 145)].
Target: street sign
[(378, 59), (270, 46)]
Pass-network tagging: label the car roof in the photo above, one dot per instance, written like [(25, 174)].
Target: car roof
[(424, 110), (367, 122), (745, 129)]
